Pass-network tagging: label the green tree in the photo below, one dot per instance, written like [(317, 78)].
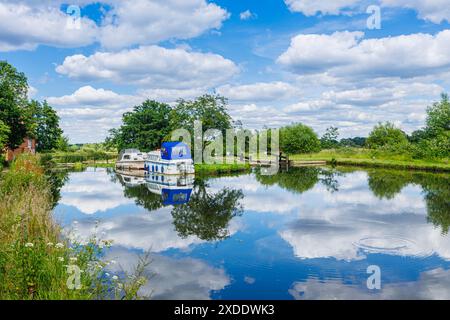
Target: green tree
[(386, 134), (211, 110), (46, 128), (13, 103), (4, 133), (298, 138), (329, 139), (144, 128), (438, 117)]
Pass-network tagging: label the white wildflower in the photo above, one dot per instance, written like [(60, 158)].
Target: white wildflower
[(73, 259), (50, 244), (115, 278), (29, 245), (59, 245), (60, 259)]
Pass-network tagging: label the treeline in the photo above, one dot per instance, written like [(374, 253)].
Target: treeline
[(152, 122), (21, 117)]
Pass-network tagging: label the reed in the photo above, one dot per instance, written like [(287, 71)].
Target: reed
[(36, 260)]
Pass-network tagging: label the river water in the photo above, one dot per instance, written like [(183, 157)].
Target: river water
[(310, 233)]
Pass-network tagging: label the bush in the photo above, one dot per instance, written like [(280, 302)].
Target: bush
[(386, 135), (298, 138)]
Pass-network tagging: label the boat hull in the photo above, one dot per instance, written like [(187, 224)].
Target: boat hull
[(130, 165)]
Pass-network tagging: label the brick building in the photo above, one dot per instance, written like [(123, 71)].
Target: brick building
[(28, 145)]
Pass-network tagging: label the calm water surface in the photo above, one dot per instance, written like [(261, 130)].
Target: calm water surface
[(307, 234)]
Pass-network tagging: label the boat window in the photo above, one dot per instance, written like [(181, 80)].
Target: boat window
[(126, 157), (179, 151)]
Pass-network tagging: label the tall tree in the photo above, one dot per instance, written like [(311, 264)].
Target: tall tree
[(46, 126), (329, 139), (211, 110), (144, 128), (13, 103)]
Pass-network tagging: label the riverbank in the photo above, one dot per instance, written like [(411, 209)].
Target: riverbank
[(216, 169), (375, 159), (37, 261)]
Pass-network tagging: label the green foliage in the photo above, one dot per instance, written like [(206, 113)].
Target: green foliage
[(438, 117), (144, 128), (353, 142), (13, 104), (329, 139), (46, 126), (211, 110), (386, 135), (4, 134), (34, 257), (207, 215), (298, 138)]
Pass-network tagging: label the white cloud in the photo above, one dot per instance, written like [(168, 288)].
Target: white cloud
[(433, 10), (26, 25), (89, 96), (313, 7), (260, 91), (171, 278), (431, 285), (152, 66), (347, 54), (82, 192), (151, 21), (247, 15)]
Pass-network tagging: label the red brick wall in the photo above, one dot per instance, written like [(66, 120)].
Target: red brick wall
[(24, 147)]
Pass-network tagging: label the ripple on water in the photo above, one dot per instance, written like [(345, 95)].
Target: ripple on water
[(392, 245)]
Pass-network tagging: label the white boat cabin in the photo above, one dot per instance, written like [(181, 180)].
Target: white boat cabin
[(173, 158)]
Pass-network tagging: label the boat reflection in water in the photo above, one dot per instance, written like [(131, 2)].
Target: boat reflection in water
[(174, 189)]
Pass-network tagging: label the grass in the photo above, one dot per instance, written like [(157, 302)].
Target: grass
[(215, 169), (373, 158), (36, 261)]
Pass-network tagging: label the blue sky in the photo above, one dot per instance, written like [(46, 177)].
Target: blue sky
[(278, 61)]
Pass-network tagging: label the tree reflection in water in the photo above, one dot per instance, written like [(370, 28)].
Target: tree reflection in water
[(207, 215), (436, 188)]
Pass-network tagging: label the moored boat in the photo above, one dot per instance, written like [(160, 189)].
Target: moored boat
[(131, 159), (173, 158)]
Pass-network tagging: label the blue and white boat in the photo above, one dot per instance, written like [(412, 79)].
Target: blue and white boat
[(173, 189), (173, 158)]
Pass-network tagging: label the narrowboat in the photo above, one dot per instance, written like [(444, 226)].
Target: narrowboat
[(131, 159), (173, 158), (173, 189)]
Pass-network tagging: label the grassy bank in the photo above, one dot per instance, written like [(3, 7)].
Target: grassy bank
[(36, 261), (373, 158), (216, 169), (89, 157)]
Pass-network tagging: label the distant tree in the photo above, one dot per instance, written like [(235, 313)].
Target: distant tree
[(329, 139), (353, 142), (63, 144), (144, 128), (13, 103), (298, 138), (46, 127), (385, 134), (211, 110)]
